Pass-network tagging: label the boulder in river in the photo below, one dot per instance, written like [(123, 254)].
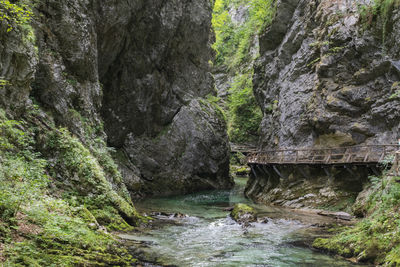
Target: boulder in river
[(243, 213)]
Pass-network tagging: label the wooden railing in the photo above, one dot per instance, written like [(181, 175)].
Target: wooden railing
[(328, 156)]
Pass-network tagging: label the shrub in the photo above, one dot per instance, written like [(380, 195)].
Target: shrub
[(15, 14)]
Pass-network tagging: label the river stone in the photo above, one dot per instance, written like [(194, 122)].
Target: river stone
[(243, 214)]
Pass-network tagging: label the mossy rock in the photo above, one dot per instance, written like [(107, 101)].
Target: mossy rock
[(329, 245), (110, 218), (243, 213)]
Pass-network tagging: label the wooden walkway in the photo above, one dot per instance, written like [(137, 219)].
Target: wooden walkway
[(357, 155)]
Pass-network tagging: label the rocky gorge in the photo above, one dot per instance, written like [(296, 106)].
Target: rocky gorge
[(103, 104), (328, 78), (112, 99)]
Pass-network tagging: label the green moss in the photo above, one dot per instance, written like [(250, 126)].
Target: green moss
[(376, 238), (380, 11), (111, 219), (58, 227), (240, 210), (233, 46), (90, 184), (214, 103), (244, 113), (15, 13)]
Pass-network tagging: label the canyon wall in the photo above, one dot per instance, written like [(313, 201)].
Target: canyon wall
[(328, 76), (133, 73)]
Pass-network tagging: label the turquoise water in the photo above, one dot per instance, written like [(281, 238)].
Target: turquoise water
[(208, 237)]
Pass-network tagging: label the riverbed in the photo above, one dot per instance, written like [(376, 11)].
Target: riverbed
[(196, 230)]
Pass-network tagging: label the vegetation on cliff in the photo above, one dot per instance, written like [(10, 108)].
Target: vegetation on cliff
[(375, 239), (15, 13), (54, 197), (236, 49), (380, 12)]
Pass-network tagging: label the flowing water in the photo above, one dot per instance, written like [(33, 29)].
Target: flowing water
[(207, 236)]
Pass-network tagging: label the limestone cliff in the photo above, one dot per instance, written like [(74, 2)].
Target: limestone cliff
[(140, 68), (328, 76), (101, 102), (325, 78)]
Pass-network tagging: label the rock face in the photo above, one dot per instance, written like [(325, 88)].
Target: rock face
[(154, 67), (139, 67), (306, 187), (17, 69), (189, 155), (325, 78), (322, 80)]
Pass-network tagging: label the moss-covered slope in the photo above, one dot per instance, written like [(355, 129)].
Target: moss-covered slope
[(375, 239), (56, 198)]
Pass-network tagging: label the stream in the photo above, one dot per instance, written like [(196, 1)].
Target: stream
[(203, 234)]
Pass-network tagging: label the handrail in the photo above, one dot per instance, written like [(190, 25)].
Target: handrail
[(336, 155), (322, 149)]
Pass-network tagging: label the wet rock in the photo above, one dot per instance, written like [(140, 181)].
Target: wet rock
[(179, 215), (18, 62), (263, 220), (154, 66), (309, 186), (243, 214), (337, 215)]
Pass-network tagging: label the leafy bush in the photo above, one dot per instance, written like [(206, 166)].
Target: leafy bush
[(43, 227), (233, 42), (15, 13), (376, 238), (245, 114), (233, 48), (381, 9), (22, 172)]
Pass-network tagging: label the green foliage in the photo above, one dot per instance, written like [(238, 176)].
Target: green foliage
[(22, 173), (15, 13), (376, 238), (73, 159), (245, 114), (233, 42), (233, 46), (43, 227), (381, 9), (396, 90)]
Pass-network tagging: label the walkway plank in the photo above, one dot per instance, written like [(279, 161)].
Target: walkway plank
[(365, 155)]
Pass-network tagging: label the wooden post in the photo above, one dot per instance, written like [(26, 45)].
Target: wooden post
[(327, 161), (366, 156), (383, 154)]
